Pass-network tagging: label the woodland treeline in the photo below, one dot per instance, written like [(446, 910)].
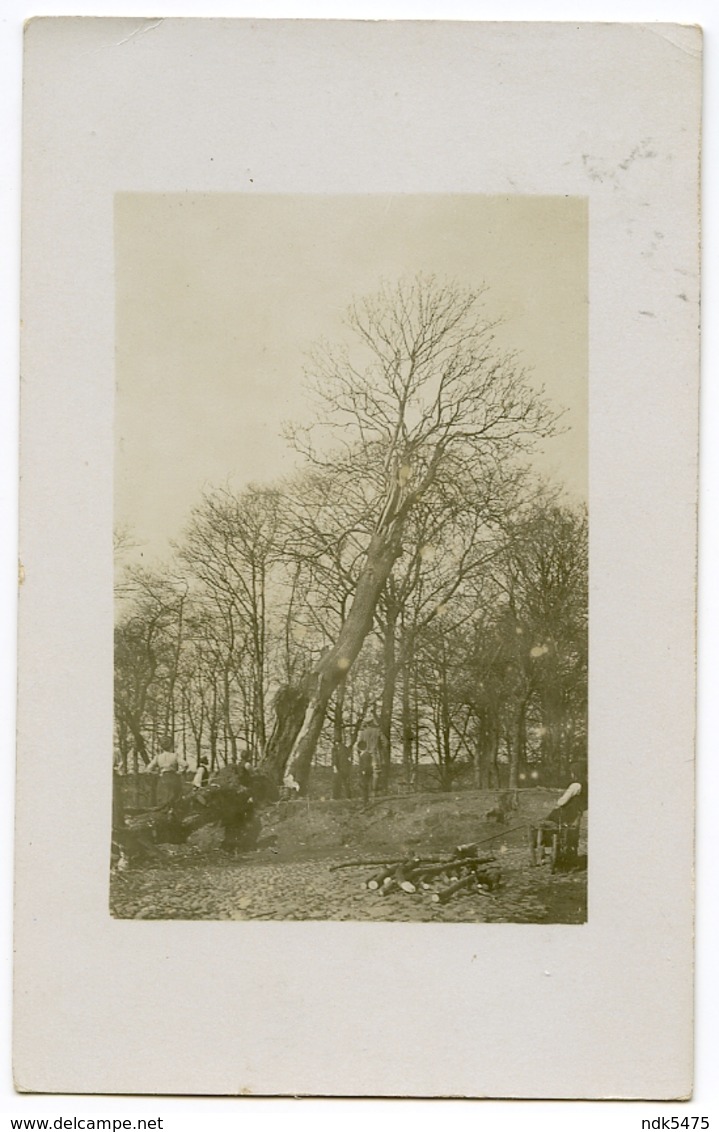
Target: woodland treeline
[(413, 566)]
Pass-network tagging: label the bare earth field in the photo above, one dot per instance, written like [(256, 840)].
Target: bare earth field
[(289, 877)]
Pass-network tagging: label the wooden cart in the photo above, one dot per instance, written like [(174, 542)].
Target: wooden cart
[(556, 842)]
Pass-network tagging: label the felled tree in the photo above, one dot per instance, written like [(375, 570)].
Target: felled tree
[(420, 395)]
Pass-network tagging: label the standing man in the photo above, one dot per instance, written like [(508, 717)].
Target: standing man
[(369, 746)]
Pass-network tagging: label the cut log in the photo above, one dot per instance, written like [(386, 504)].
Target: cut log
[(411, 861), (464, 869), (489, 877), (446, 894), (428, 871), (422, 871), (360, 864), (377, 881)]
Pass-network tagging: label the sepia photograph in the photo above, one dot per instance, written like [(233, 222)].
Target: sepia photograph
[(357, 543), (351, 558)]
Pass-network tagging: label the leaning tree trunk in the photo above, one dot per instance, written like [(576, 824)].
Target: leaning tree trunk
[(290, 705), (335, 664)]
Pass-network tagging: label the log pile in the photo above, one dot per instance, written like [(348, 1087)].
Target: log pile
[(440, 877)]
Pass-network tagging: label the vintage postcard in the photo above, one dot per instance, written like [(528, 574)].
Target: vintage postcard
[(360, 380)]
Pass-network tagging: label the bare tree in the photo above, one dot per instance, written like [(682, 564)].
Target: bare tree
[(229, 546), (545, 574), (148, 645), (422, 396), (523, 671)]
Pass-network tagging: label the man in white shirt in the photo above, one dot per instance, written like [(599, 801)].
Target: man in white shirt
[(574, 801)]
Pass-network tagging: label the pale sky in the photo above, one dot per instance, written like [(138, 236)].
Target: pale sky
[(219, 296)]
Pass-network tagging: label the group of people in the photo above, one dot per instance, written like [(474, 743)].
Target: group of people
[(172, 769)]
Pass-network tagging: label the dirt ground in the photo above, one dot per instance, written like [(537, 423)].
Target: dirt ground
[(290, 876)]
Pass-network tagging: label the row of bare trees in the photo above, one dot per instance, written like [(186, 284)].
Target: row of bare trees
[(412, 565)]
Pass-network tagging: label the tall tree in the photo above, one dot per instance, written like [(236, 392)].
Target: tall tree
[(148, 645), (524, 666), (545, 572), (230, 546), (423, 393)]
